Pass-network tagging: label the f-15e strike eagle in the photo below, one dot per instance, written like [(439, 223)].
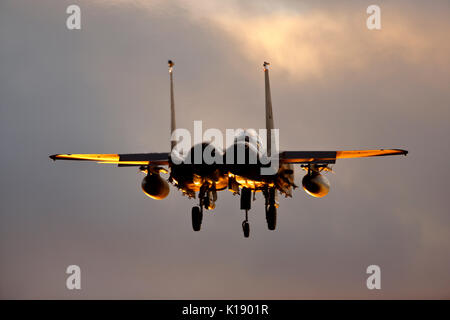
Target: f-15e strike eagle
[(203, 179)]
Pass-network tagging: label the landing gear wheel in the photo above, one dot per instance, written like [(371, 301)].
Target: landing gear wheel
[(246, 228), (197, 217), (271, 217)]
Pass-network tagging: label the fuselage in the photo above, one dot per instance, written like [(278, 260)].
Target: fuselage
[(240, 163)]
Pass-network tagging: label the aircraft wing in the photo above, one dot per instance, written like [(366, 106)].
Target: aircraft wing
[(323, 157), (126, 159), (162, 158)]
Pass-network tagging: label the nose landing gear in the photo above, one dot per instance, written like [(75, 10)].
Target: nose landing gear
[(246, 226), (271, 217), (246, 200)]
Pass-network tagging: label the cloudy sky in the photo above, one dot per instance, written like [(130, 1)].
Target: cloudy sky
[(335, 85)]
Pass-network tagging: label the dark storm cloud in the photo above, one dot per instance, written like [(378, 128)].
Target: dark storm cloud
[(104, 89)]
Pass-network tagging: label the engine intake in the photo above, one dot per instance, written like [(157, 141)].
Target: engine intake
[(316, 185), (155, 187)]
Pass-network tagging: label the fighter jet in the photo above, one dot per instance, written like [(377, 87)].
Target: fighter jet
[(202, 180)]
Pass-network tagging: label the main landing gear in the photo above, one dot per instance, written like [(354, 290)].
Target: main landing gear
[(208, 201), (197, 217), (271, 208)]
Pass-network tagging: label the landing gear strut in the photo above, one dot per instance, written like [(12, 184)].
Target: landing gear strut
[(246, 200), (208, 197)]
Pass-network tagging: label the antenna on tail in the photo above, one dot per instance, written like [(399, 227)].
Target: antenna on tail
[(269, 114), (173, 125)]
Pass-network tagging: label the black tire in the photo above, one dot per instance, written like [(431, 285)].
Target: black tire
[(246, 229), (271, 217), (246, 198), (197, 217)]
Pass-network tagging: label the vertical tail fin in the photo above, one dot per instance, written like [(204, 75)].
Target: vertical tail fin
[(173, 125), (269, 114)]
